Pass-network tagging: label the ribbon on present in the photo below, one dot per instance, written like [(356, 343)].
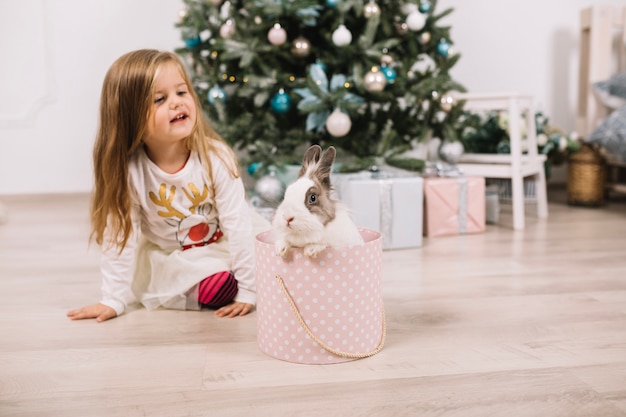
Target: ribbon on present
[(386, 210), (463, 204), (444, 170)]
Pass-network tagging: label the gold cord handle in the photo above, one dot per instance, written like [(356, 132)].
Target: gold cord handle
[(306, 328)]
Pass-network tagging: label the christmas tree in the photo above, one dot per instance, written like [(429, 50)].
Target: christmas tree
[(370, 78)]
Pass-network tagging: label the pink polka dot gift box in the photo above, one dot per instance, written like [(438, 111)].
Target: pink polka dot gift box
[(322, 310)]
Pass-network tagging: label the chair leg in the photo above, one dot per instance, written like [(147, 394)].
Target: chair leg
[(517, 190), (541, 194)]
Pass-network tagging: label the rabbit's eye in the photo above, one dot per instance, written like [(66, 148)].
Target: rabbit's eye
[(312, 198)]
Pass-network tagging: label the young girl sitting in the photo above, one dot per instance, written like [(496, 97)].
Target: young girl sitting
[(169, 207)]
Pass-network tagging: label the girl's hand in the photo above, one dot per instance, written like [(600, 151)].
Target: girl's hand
[(234, 309), (100, 312)]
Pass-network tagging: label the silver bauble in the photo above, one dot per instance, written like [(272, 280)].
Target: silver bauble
[(446, 101), (451, 151), (301, 47), (269, 188), (374, 81), (371, 9)]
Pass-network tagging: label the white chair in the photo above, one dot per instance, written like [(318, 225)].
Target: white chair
[(517, 165)]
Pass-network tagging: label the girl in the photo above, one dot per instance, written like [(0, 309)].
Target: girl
[(169, 207)]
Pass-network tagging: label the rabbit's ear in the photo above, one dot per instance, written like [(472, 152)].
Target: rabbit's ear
[(325, 166), (311, 156)]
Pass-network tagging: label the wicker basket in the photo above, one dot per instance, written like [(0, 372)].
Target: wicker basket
[(586, 178)]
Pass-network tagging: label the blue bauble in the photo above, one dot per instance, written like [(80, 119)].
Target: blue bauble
[(254, 167), (424, 6), (390, 74), (281, 102), (216, 93), (331, 4), (192, 42), (442, 48)]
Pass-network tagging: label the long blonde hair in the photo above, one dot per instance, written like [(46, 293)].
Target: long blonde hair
[(125, 110)]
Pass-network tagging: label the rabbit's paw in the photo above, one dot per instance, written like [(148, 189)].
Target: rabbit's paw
[(312, 250), (282, 248)]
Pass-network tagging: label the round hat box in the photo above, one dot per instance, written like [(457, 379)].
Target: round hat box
[(321, 310)]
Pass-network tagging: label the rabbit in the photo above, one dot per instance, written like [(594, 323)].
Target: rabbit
[(309, 217)]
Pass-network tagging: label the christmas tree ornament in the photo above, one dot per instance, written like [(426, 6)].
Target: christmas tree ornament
[(386, 60), (401, 28), (424, 6), (338, 123), (269, 188), (253, 168), (416, 21), (192, 42), (342, 36), (374, 81), (182, 14), (451, 151), (301, 47), (215, 94), (443, 48), (424, 38), (331, 4), (228, 29), (446, 101), (281, 102), (277, 35), (371, 9), (389, 73)]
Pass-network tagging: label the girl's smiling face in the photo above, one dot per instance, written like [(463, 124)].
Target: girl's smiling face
[(173, 114)]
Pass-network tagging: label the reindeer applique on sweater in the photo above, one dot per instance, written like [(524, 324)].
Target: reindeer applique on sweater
[(199, 227)]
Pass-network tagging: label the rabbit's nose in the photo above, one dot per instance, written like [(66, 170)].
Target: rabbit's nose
[(289, 220)]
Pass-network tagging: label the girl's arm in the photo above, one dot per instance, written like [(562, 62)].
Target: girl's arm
[(117, 274), (234, 218)]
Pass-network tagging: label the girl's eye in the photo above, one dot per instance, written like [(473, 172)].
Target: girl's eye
[(159, 99), (182, 93)]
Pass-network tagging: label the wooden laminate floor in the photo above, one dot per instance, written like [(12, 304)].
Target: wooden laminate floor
[(504, 323)]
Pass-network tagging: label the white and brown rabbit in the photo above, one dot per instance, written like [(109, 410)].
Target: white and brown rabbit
[(309, 217)]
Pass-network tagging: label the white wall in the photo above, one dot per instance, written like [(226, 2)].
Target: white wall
[(54, 57), (55, 54)]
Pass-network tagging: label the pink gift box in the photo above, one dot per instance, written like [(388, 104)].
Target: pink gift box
[(454, 206), (322, 310)]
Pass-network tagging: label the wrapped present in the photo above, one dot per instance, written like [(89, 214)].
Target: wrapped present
[(454, 205), (390, 203)]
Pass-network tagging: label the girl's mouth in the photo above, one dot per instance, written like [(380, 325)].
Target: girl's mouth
[(178, 118)]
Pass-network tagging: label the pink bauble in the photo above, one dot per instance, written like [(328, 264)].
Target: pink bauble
[(277, 35), (338, 123), (228, 29)]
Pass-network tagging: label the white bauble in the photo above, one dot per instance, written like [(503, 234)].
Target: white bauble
[(416, 21), (338, 123), (342, 36)]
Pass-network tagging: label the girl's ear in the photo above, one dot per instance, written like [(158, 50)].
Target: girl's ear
[(311, 156)]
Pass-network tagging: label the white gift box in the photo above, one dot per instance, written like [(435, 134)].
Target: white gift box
[(390, 203)]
